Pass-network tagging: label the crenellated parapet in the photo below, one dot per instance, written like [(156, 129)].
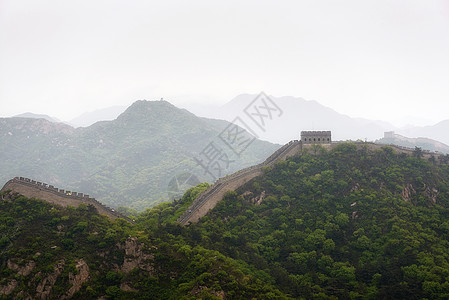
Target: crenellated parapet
[(41, 190), (210, 197), (316, 137)]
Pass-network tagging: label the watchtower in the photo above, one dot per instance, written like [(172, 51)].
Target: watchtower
[(388, 134), (316, 137)]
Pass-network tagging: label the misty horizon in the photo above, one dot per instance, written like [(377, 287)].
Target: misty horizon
[(377, 60)]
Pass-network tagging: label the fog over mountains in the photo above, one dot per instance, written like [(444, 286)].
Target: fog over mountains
[(89, 118), (295, 114), (300, 114), (128, 158), (438, 131), (128, 161)]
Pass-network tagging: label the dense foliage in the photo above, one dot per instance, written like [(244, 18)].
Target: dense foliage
[(346, 223), (53, 241), (129, 161), (354, 222)]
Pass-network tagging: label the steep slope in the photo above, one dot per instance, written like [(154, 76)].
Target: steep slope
[(89, 118), (50, 252), (348, 223), (129, 161)]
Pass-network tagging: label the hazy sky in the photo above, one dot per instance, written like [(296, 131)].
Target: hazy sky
[(375, 59)]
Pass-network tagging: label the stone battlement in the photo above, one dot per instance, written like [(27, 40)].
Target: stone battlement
[(210, 197), (316, 137), (40, 190)]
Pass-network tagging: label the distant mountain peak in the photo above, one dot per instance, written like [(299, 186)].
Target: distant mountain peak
[(150, 103), (21, 125), (144, 110), (30, 115)]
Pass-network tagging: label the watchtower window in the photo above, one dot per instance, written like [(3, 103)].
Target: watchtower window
[(314, 139), (318, 139), (328, 139)]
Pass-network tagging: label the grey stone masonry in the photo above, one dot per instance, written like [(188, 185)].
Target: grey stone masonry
[(316, 137), (77, 198)]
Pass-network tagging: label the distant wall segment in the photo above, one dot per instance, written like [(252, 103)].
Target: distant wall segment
[(40, 190), (210, 197), (214, 194)]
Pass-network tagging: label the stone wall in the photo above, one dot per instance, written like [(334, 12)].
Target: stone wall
[(316, 137), (40, 190), (210, 197)]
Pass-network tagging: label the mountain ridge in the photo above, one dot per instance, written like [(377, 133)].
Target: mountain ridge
[(124, 161), (347, 222), (296, 112)]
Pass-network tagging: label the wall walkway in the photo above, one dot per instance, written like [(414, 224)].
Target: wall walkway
[(210, 197), (39, 190)]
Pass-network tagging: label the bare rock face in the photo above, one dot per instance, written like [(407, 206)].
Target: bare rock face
[(78, 279), (24, 270), (432, 194), (407, 192), (258, 200), (8, 288), (45, 286), (136, 256), (127, 288)]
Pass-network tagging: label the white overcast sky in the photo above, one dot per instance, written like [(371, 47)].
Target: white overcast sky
[(384, 60)]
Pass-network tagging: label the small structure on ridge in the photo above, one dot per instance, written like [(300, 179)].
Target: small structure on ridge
[(316, 137)]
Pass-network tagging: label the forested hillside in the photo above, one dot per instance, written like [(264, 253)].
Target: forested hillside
[(348, 223), (129, 161), (48, 252)]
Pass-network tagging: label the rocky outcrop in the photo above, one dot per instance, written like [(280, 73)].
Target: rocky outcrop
[(407, 192), (127, 288), (45, 286), (21, 269), (77, 280), (432, 194), (8, 288), (257, 200), (136, 256)]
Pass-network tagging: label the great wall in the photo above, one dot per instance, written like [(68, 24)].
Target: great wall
[(210, 197), (40, 190)]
